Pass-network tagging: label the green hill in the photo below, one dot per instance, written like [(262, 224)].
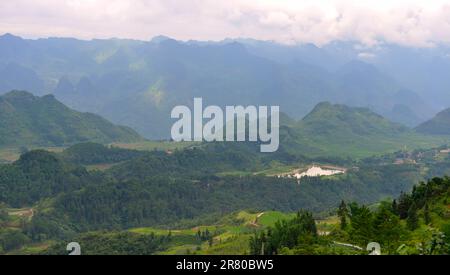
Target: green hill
[(27, 120), (330, 120), (439, 125), (339, 130)]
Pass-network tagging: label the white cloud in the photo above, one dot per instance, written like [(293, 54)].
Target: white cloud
[(407, 22)]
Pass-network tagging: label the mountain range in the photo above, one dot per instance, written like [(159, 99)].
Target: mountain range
[(328, 130), (137, 83)]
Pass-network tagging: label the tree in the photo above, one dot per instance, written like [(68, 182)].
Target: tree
[(211, 241), (426, 214), (388, 229), (412, 220), (300, 231), (3, 213), (361, 219), (12, 239), (446, 231), (342, 214), (395, 207), (258, 244), (404, 204)]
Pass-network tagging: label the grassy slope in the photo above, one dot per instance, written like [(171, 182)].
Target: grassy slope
[(338, 130)]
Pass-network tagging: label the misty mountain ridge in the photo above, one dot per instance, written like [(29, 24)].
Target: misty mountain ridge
[(137, 83)]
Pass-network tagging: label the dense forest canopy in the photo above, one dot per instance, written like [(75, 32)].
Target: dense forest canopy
[(417, 223)]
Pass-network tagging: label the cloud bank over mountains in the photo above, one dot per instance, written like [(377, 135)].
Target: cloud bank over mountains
[(410, 23)]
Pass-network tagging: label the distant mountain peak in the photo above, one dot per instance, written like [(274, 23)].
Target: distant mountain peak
[(49, 97), (9, 36), (327, 117), (328, 106), (324, 104), (19, 95), (358, 66), (12, 41), (160, 38), (438, 125)]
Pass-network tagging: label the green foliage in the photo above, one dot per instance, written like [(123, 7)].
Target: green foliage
[(44, 227), (396, 237), (4, 217), (383, 225), (37, 175), (94, 153), (107, 243), (342, 214), (285, 234), (327, 130), (12, 239), (205, 236), (195, 162), (404, 205), (26, 120), (159, 188), (412, 219), (387, 228), (362, 229)]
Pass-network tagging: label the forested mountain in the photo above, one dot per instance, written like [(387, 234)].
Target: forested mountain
[(327, 119), (37, 175), (439, 125), (126, 81), (348, 131), (27, 120)]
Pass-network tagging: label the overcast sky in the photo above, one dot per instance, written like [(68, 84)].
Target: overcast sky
[(419, 23)]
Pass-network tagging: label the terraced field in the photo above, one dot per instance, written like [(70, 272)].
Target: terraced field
[(230, 235)]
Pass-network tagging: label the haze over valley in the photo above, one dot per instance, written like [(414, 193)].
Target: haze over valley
[(137, 83)]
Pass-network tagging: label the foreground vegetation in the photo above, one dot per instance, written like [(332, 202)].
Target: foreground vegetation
[(48, 197), (416, 224)]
